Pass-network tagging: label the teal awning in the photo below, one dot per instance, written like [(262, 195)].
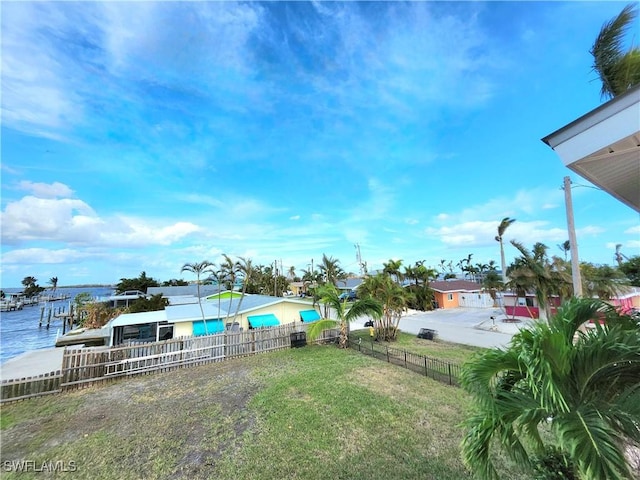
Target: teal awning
[(309, 315), (213, 326), (260, 321)]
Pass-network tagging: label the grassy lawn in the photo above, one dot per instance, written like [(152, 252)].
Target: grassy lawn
[(451, 352), (311, 413)]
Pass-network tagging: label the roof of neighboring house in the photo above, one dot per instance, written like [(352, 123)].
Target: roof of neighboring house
[(191, 312), (182, 290), (455, 286), (138, 318), (350, 283)]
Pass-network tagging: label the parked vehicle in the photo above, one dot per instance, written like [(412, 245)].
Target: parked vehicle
[(349, 296)]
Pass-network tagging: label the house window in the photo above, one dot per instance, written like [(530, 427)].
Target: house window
[(525, 302), (165, 332), (450, 296)]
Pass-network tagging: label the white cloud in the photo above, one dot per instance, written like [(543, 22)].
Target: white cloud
[(36, 99), (633, 230), (28, 256), (46, 190), (589, 230), (73, 221), (201, 199), (32, 218), (482, 233)]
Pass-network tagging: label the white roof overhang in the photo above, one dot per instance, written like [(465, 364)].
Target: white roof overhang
[(139, 318), (603, 146)]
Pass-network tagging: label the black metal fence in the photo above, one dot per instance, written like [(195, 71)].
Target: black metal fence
[(441, 370)]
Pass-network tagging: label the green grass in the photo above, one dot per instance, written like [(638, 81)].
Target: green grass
[(450, 352), (311, 413)]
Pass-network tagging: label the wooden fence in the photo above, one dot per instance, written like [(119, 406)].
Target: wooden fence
[(440, 370), (82, 367), (29, 387)]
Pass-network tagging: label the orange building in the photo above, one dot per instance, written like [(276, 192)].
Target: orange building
[(457, 293)]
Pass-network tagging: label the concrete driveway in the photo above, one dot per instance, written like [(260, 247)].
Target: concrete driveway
[(469, 326)]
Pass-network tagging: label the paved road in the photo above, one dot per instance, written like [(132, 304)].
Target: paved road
[(469, 326)]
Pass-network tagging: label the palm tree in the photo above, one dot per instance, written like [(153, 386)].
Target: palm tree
[(392, 268), (53, 281), (331, 270), (504, 224), (199, 269), (344, 313), (618, 70), (218, 276), (602, 281), (245, 269), (492, 282), (394, 299), (424, 274), (230, 269), (562, 387), (29, 281), (533, 271), (565, 247), (464, 265)]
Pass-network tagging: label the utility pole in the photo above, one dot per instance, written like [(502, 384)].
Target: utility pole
[(275, 278), (359, 258), (575, 262)]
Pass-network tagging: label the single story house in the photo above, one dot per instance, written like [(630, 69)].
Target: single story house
[(628, 300), (527, 306), (459, 293), (184, 320)]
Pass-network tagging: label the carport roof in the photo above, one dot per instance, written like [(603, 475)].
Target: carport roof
[(603, 146)]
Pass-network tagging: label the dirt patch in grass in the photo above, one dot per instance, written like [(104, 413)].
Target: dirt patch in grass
[(145, 420)]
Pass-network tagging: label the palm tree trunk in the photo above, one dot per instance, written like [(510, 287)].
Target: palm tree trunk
[(204, 321), (503, 262), (344, 338)]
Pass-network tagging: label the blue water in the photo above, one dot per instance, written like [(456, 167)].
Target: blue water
[(19, 331)]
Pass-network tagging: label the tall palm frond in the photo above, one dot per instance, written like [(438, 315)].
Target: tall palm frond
[(618, 70), (199, 268)]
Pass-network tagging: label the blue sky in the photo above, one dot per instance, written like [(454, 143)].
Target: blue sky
[(142, 136)]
